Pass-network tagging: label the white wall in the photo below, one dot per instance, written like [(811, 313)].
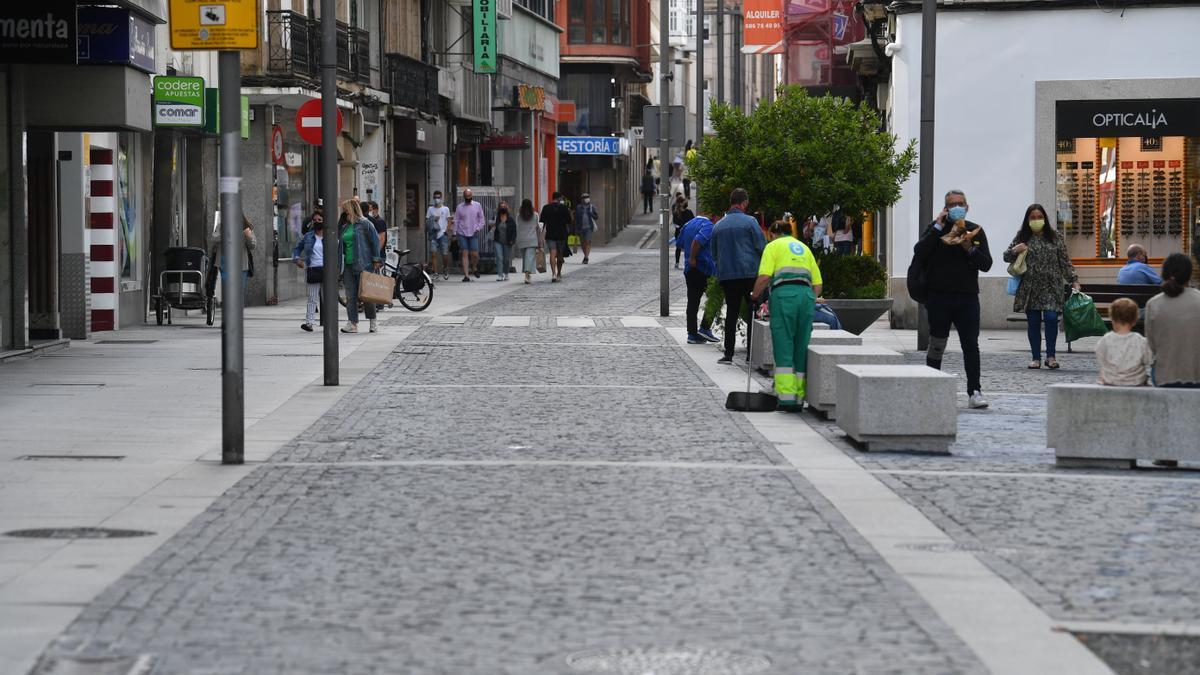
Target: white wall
[(987, 64)]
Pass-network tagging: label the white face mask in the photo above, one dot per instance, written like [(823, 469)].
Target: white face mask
[(437, 201), (587, 200)]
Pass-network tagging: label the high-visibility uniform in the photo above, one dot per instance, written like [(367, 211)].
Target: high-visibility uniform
[(793, 271)]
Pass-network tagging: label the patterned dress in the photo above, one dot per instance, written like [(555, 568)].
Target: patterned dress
[(1048, 272)]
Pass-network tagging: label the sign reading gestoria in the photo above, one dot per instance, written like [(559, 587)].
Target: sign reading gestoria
[(1132, 117), (179, 101), (590, 145), (38, 32), (485, 36)]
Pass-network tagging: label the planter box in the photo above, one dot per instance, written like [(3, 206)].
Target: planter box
[(858, 315)]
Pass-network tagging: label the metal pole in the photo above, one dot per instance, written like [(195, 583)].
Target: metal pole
[(739, 61), (699, 74), (720, 74), (233, 404), (329, 190), (664, 151), (925, 205)]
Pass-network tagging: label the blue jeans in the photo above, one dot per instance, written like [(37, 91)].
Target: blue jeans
[(823, 314), (502, 255), (350, 280), (1036, 318), (245, 282)]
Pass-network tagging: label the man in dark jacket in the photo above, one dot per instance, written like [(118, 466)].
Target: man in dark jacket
[(648, 190), (953, 251)]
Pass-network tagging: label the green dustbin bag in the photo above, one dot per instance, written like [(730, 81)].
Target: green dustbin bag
[(1081, 318)]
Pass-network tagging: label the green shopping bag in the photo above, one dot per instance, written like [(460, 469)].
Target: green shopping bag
[(1081, 318)]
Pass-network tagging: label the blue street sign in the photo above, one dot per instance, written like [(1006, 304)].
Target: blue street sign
[(590, 145)]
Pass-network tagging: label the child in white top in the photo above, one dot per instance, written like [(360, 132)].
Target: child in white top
[(1125, 357)]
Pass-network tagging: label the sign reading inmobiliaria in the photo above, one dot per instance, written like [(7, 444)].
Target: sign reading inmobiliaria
[(485, 36), (763, 27)]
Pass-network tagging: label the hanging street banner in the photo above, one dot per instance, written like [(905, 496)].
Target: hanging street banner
[(485, 36), (178, 101), (763, 32), (214, 24)]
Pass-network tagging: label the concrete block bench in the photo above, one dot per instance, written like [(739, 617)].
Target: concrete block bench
[(1092, 425), (763, 358), (823, 361), (897, 407)]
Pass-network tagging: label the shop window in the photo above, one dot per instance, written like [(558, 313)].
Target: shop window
[(130, 241), (1114, 192), (598, 22)]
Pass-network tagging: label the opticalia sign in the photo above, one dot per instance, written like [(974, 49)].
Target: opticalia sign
[(179, 101), (589, 145)]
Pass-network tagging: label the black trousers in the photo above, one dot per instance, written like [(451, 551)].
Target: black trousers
[(647, 202), (737, 292), (697, 281), (961, 310)]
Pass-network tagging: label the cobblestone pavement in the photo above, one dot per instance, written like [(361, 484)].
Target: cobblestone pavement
[(496, 500)]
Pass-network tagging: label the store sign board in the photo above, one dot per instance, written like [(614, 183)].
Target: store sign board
[(212, 113), (114, 35), (485, 35), (763, 27), (178, 101), (38, 32), (214, 24), (590, 145), (1133, 117), (530, 97), (513, 141)]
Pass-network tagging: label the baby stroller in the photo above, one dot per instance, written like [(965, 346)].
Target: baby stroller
[(183, 284)]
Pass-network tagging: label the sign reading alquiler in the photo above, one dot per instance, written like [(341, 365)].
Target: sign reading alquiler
[(1131, 117), (485, 36), (178, 101)]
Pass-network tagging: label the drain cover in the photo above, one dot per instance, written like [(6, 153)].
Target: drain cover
[(682, 660), (77, 533), (959, 548)]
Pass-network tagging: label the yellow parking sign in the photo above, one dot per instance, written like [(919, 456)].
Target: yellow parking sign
[(214, 24)]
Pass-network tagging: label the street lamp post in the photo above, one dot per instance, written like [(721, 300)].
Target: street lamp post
[(329, 191), (664, 149), (925, 202)]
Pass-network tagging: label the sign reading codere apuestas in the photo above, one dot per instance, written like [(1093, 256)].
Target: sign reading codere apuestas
[(179, 101), (485, 36)]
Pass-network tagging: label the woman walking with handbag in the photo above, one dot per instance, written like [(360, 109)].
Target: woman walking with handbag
[(528, 237), (1041, 251), (505, 233), (360, 250)]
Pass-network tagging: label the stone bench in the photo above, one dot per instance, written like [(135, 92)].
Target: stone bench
[(823, 361), (897, 407), (1092, 425), (762, 356)]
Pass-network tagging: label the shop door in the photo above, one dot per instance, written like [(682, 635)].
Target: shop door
[(41, 175)]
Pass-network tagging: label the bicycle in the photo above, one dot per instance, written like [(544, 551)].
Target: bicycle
[(414, 283)]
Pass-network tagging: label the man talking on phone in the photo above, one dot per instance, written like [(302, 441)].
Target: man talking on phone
[(954, 251)]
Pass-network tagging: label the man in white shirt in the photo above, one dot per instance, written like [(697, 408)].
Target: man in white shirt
[(436, 221)]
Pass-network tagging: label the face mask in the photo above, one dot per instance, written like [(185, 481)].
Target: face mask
[(957, 213), (587, 200), (437, 201), (466, 200), (1037, 225)]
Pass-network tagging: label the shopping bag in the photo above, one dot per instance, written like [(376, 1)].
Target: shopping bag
[(539, 258), (1013, 284), (1017, 267), (376, 288), (572, 240), (1081, 318)]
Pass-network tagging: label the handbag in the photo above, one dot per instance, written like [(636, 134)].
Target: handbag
[(1017, 267), (539, 258), (250, 262), (375, 288)]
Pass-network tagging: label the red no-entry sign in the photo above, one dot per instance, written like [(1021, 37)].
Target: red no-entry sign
[(308, 121)]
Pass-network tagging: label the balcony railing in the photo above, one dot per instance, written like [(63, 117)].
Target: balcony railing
[(412, 84), (294, 48)]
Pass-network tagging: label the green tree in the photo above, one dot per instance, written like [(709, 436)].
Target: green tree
[(801, 154)]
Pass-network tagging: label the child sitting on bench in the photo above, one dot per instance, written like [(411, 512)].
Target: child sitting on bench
[(1124, 356)]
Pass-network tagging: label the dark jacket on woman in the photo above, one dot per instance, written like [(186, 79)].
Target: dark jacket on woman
[(506, 231)]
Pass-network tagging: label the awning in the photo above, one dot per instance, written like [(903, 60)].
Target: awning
[(288, 97)]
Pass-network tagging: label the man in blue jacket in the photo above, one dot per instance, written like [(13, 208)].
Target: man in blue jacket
[(695, 238), (1136, 271), (737, 246)]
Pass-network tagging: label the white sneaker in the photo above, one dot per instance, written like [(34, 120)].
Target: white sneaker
[(350, 328), (374, 326), (976, 400)]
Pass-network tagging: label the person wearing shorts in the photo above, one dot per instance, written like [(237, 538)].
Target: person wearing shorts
[(439, 243), (468, 221)]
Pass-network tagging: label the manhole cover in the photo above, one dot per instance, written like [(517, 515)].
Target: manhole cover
[(125, 342), (77, 533), (667, 661), (959, 548)]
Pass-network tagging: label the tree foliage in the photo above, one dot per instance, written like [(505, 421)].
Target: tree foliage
[(801, 154)]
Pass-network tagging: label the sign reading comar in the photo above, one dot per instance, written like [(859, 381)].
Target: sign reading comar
[(214, 24)]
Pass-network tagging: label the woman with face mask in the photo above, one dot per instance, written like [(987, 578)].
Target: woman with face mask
[(1042, 291)]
